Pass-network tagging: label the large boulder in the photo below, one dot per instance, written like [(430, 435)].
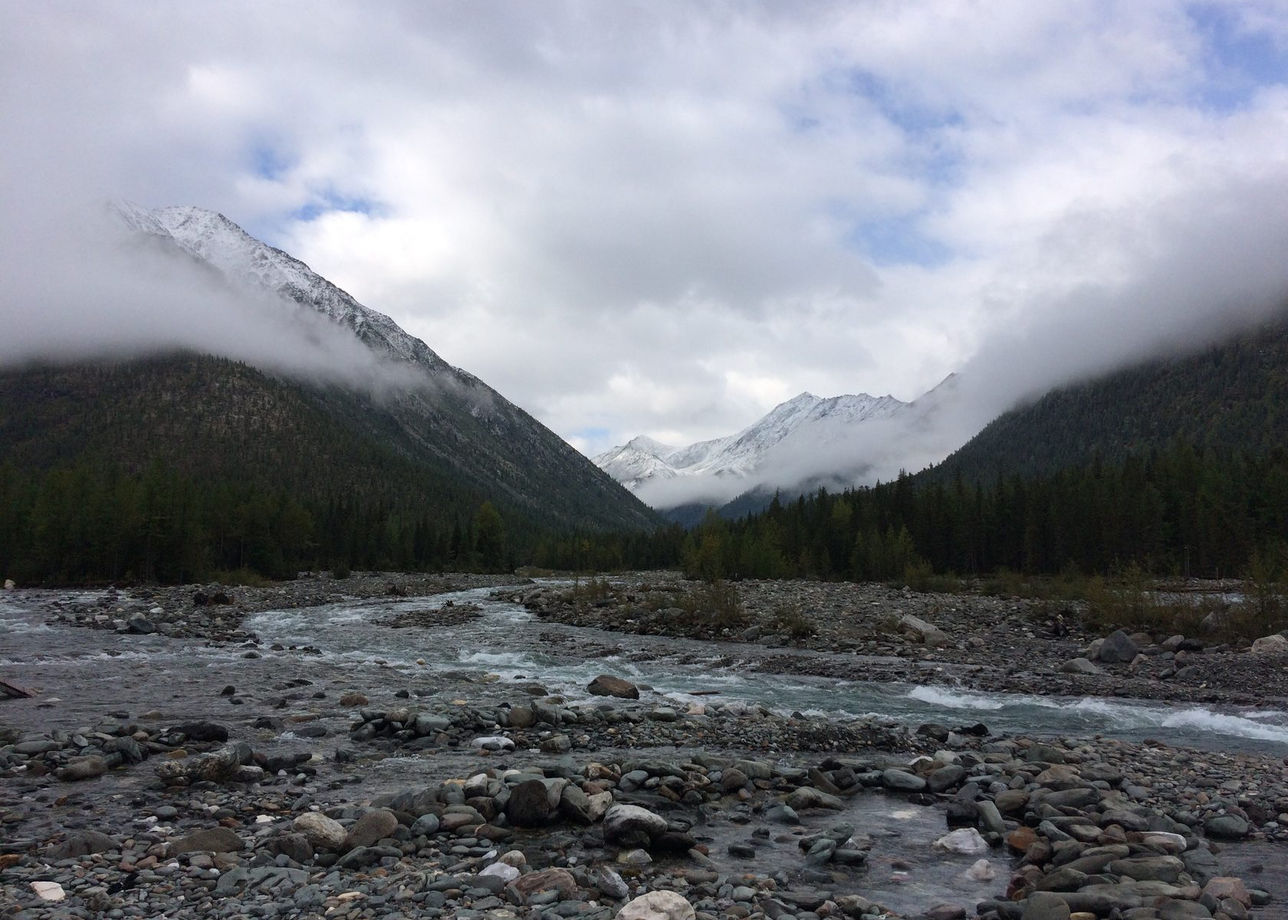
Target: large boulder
[(321, 832), (632, 826), (86, 767), (529, 804), (81, 843), (658, 905), (924, 632), (1117, 648), (1226, 827), (1273, 644), (557, 880), (965, 841), (372, 827), (607, 685)]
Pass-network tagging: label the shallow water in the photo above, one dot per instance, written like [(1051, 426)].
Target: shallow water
[(84, 676), (347, 646)]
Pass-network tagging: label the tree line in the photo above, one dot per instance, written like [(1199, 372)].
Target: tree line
[(1176, 511), (91, 522)]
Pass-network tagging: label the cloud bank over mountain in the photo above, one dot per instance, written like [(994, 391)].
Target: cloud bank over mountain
[(656, 218)]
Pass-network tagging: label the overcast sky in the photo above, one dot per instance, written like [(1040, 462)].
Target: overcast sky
[(664, 218)]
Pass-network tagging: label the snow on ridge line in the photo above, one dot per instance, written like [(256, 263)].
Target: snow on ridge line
[(643, 460)]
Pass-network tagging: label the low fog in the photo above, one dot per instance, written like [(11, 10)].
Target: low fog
[(87, 287), (1204, 267)]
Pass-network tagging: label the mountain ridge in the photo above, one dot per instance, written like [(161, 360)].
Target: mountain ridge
[(1233, 392), (801, 443), (400, 445)]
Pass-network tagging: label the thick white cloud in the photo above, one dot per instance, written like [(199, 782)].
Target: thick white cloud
[(660, 218)]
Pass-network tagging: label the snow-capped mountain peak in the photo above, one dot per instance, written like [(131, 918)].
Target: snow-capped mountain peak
[(807, 440), (743, 455), (248, 263)]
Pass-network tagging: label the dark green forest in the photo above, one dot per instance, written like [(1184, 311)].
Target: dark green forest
[(1175, 512), (91, 523), (202, 467), (1224, 398), (1172, 512), (179, 468)]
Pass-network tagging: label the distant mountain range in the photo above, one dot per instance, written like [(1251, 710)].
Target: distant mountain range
[(399, 416), (803, 444)]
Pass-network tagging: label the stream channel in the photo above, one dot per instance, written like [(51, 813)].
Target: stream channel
[(81, 676)]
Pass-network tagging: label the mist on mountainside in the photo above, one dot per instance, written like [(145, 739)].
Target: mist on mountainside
[(95, 287), (1195, 271)]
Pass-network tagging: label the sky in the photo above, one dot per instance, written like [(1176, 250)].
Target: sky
[(664, 218)]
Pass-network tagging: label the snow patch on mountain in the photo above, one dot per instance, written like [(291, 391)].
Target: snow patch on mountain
[(801, 444), (218, 241)]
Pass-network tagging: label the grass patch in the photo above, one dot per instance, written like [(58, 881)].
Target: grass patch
[(243, 577)]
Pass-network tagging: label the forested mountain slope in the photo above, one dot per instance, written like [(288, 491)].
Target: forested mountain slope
[(1229, 397), (173, 466)]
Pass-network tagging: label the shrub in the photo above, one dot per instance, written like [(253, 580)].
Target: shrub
[(789, 618), (715, 603)]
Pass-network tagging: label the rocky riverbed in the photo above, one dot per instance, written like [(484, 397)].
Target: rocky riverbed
[(218, 774), (984, 642)]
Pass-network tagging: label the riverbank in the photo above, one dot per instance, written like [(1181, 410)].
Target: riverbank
[(212, 801), (1009, 645)]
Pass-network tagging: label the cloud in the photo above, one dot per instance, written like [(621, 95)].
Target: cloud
[(94, 288), (655, 218)]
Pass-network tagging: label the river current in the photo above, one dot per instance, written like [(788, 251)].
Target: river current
[(305, 658), (349, 645)]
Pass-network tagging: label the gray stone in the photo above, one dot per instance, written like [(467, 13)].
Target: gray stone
[(902, 780), (732, 780), (1043, 905), (140, 625), (1117, 648), (990, 819), (1226, 827), (425, 826), (782, 814), (295, 847), (611, 885), (1273, 644), (1149, 868), (1080, 666), (809, 797), (926, 633), (529, 804), (82, 768), (81, 843), (945, 777), (658, 905), (322, 832), (632, 826), (1183, 910), (608, 685), (375, 825)]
